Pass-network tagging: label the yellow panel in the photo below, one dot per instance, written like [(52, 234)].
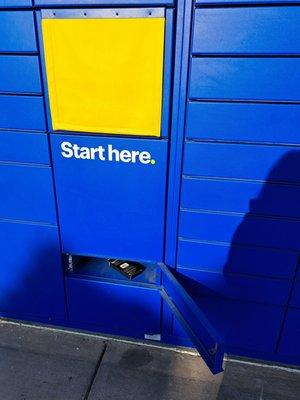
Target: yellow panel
[(105, 75)]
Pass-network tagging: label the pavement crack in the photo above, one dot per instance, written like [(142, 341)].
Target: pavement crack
[(97, 366)]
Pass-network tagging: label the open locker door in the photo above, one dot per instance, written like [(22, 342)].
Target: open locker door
[(193, 320)]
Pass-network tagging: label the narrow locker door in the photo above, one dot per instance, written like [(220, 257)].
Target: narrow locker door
[(196, 325)]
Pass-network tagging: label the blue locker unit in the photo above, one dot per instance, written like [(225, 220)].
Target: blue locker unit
[(31, 278), (237, 202), (207, 200)]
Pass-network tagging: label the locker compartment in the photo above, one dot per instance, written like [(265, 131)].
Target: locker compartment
[(31, 280), (111, 204), (120, 54), (112, 307), (20, 74), (252, 261), (29, 111), (270, 199), (27, 193), (272, 79), (274, 123), (255, 30), (245, 326), (24, 147), (241, 229), (270, 163), (236, 287), (289, 343), (17, 32)]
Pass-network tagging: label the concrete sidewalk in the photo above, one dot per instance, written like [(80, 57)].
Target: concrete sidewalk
[(47, 364)]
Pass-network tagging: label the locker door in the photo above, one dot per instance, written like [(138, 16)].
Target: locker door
[(197, 327)]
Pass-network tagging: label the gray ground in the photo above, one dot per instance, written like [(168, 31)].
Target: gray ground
[(46, 364)]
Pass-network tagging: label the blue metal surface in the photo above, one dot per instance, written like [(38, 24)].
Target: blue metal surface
[(201, 332), (261, 290), (274, 123), (102, 2), (241, 260), (30, 111), (245, 79), (260, 198), (24, 147), (24, 74), (117, 308), (26, 193), (241, 229), (289, 344), (109, 208), (295, 300), (244, 326), (260, 30), (15, 3), (17, 32), (271, 163), (246, 2), (31, 283)]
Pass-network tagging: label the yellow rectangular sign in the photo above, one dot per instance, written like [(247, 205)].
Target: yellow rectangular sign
[(105, 75)]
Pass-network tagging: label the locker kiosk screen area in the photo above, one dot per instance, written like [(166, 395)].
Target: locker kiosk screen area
[(105, 70)]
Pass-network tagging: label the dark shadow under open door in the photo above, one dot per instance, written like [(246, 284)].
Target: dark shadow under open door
[(193, 320)]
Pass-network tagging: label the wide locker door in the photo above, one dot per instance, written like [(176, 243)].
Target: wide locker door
[(200, 331), (107, 76)]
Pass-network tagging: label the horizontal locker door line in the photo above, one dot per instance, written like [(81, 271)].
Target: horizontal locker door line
[(235, 274), (26, 164), (103, 3), (118, 282), (245, 3), (243, 55), (242, 245), (233, 179), (16, 93), (254, 289), (240, 214), (225, 179), (25, 131), (27, 222), (240, 100)]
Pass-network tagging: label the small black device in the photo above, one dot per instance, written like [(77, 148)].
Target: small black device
[(130, 269)]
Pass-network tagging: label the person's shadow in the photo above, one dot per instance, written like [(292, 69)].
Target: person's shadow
[(259, 264), (270, 223)]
